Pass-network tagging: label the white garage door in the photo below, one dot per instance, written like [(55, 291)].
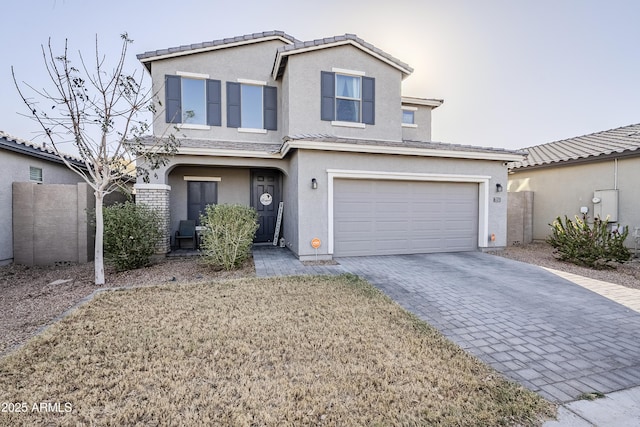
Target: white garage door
[(373, 217)]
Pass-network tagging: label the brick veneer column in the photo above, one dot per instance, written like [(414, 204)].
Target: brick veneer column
[(157, 196)]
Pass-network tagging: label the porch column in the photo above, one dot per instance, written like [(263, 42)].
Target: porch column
[(157, 197)]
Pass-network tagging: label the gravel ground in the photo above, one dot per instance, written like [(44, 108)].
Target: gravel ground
[(30, 300)]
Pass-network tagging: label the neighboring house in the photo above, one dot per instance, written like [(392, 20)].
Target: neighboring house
[(23, 161), (597, 174), (321, 126)]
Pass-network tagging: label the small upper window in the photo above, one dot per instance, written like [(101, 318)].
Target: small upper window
[(408, 117), (35, 174), (348, 98)]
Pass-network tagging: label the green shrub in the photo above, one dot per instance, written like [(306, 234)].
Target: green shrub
[(592, 246), (130, 235), (228, 236)]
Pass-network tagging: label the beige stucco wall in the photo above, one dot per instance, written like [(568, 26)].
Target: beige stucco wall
[(253, 62), (298, 91), (422, 118), (563, 190), (303, 87), (290, 196)]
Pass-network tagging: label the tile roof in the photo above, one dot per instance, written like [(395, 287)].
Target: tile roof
[(427, 145), (214, 44), (35, 150), (622, 140), (268, 148), (240, 146), (301, 46), (279, 148)]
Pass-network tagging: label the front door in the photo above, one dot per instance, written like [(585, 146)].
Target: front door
[(265, 198)]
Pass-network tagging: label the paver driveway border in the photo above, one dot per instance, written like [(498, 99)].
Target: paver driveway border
[(545, 332)]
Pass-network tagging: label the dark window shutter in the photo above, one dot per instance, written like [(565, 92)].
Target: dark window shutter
[(270, 103), (173, 99), (214, 100), (368, 100), (328, 94), (233, 105)]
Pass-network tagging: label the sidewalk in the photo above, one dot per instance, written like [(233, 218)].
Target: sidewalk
[(621, 294)]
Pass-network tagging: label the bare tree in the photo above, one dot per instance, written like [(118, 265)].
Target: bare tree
[(103, 112)]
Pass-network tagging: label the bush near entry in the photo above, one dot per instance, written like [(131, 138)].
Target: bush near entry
[(228, 235), (130, 235), (594, 246)]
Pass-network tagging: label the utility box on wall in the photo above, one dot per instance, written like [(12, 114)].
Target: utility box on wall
[(605, 204)]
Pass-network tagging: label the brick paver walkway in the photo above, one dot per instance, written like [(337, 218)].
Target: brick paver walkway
[(275, 261)]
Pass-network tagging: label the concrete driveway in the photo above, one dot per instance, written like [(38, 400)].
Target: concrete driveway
[(551, 335)]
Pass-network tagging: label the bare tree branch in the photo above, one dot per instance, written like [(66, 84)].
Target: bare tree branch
[(98, 110)]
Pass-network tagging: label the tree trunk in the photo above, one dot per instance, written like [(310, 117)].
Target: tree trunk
[(98, 258)]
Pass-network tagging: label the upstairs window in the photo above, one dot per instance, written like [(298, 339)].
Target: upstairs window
[(193, 99), (348, 98), (252, 106), (194, 106)]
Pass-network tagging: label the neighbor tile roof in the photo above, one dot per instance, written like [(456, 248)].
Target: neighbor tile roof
[(29, 148), (185, 49), (301, 46), (623, 140)]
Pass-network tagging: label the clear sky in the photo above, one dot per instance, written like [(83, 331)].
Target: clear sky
[(513, 73)]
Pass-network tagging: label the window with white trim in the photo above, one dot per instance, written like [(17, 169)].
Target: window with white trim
[(194, 104), (193, 100), (252, 106), (251, 116), (408, 117), (347, 98)]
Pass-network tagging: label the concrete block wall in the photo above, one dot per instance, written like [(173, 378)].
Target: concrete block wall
[(50, 223), (157, 197), (520, 218)]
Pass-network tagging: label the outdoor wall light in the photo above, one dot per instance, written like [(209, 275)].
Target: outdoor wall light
[(498, 188), (314, 184)]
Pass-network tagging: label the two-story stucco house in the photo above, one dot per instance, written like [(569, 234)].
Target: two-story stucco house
[(323, 127)]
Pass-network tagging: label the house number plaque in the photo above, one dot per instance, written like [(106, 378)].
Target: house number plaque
[(266, 199)]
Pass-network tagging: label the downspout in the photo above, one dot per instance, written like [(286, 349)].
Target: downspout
[(615, 174)]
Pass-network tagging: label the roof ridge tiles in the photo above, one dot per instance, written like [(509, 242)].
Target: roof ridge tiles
[(217, 42)]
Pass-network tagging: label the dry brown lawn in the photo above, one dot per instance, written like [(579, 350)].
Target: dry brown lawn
[(277, 351)]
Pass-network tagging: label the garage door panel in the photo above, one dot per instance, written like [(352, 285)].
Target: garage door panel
[(401, 217)]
